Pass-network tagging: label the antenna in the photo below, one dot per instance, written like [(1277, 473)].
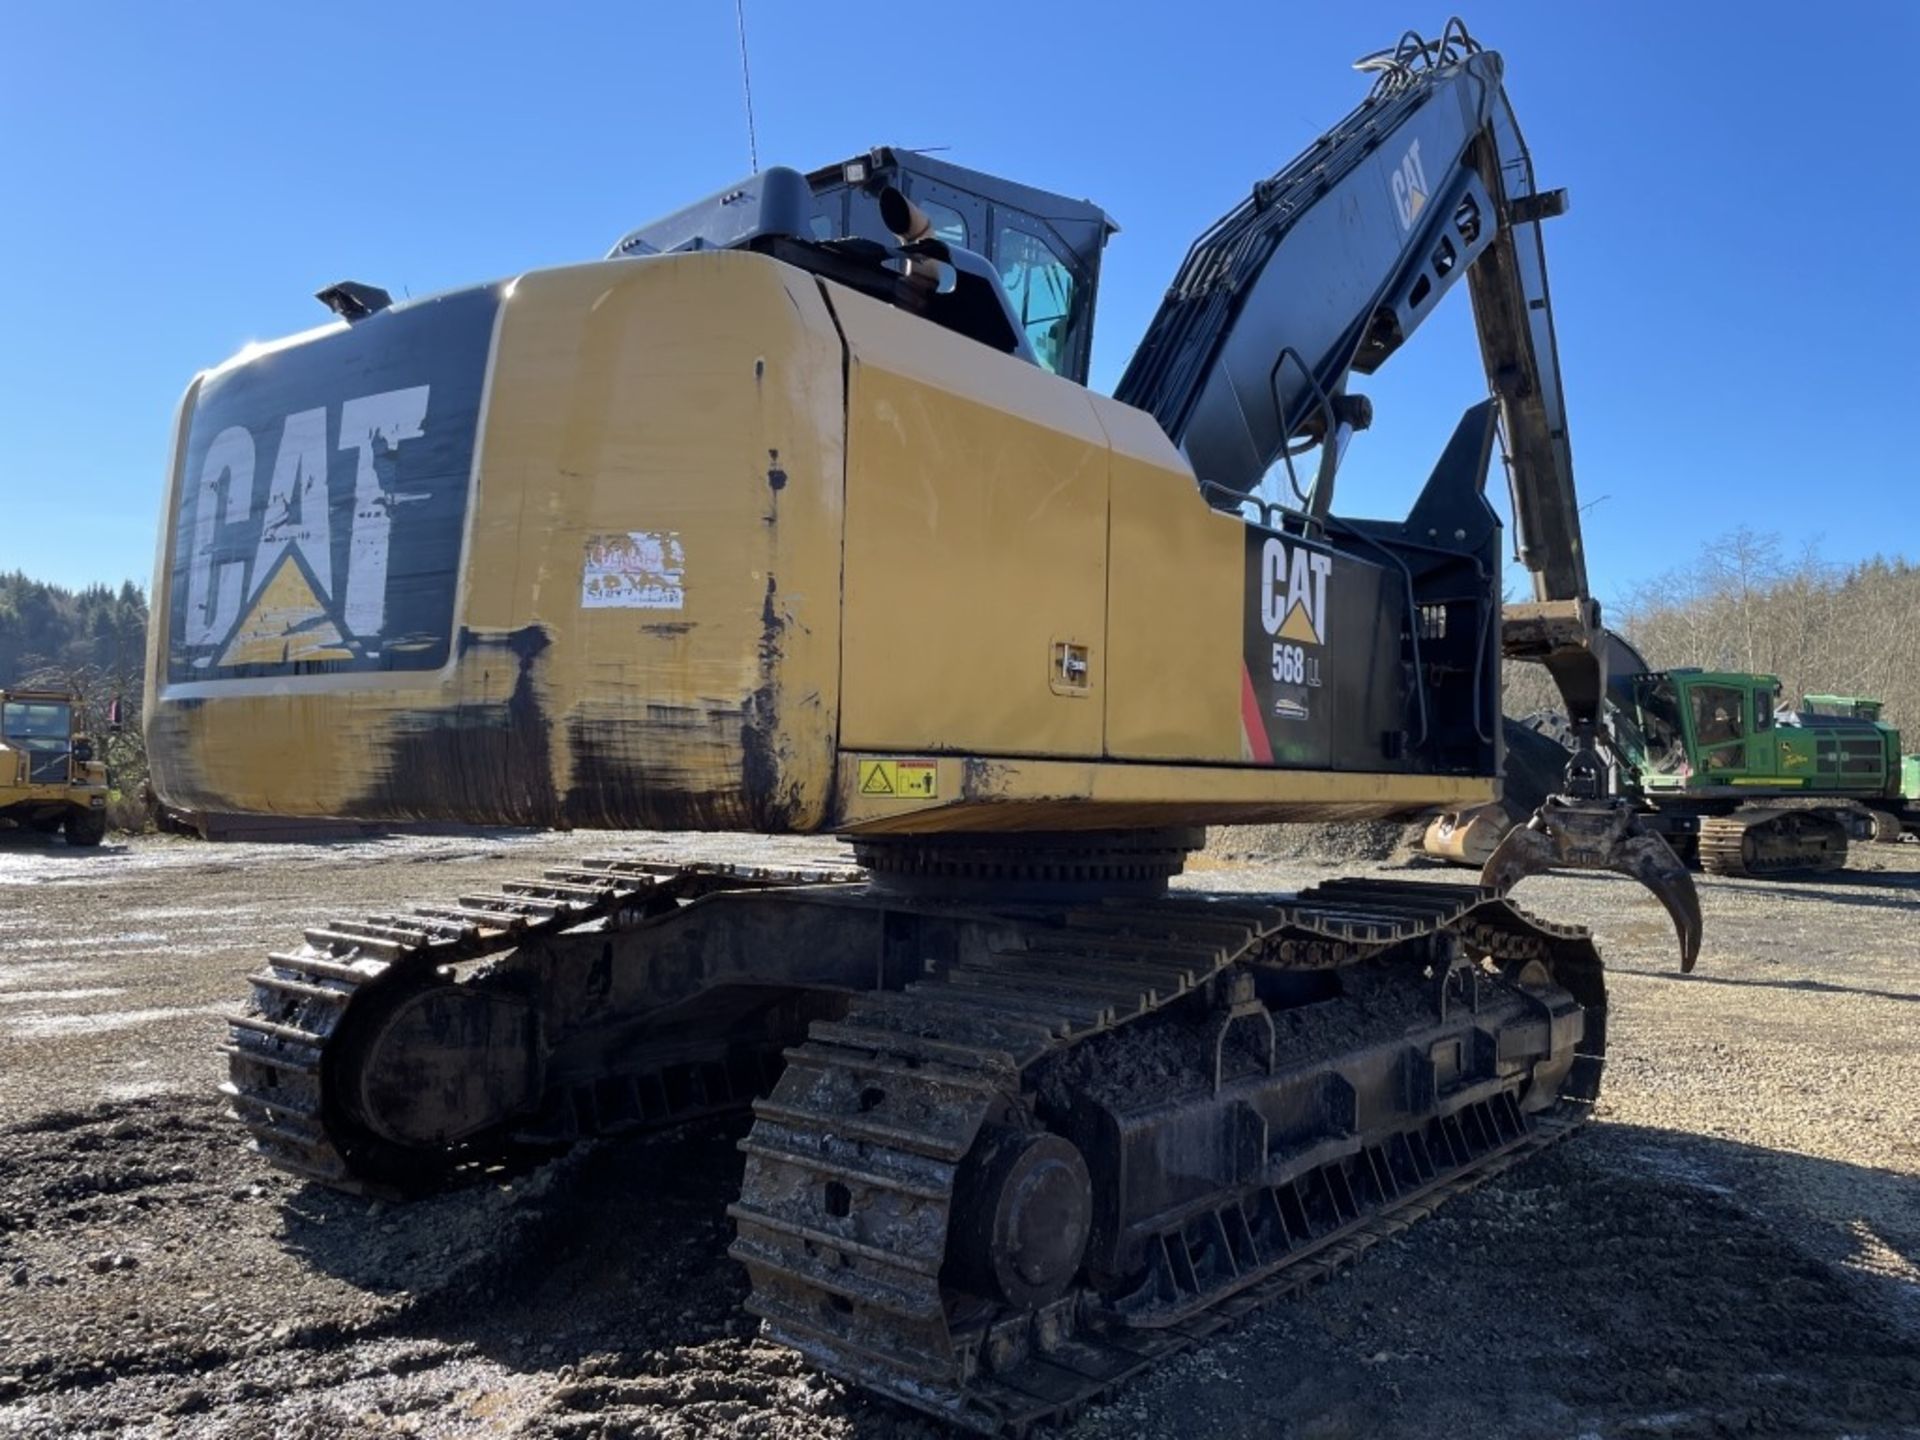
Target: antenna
[(746, 84)]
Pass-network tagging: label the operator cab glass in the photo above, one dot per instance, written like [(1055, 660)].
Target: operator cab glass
[(44, 729), (36, 720), (1045, 248), (948, 223), (1660, 724), (1045, 294), (1719, 726)]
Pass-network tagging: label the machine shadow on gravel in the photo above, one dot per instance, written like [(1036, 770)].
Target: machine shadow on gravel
[(1815, 987), (54, 847), (1637, 1272), (1834, 889)]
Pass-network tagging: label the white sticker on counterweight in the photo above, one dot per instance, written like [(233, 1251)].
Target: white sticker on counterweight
[(640, 570)]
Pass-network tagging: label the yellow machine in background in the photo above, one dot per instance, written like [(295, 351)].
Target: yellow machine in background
[(795, 515), (49, 779)]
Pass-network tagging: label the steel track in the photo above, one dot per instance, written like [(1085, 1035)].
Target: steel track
[(1741, 844), (878, 1112), (884, 1104), (284, 1045)]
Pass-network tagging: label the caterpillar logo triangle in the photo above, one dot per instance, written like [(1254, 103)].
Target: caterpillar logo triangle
[(1409, 185), (288, 622), (1298, 626)]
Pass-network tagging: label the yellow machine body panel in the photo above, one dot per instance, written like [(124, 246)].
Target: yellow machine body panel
[(1171, 688), (976, 543), (652, 556), (702, 541)]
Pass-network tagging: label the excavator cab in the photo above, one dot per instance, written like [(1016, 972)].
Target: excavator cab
[(1043, 248)]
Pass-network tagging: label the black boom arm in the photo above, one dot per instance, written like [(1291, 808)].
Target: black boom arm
[(1330, 265)]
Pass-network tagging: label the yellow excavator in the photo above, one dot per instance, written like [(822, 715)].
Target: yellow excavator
[(794, 514)]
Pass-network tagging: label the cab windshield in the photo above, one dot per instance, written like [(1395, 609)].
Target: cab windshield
[(1046, 298), (1666, 743), (36, 720)]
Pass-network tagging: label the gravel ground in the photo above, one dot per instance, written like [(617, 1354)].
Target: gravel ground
[(1733, 1249)]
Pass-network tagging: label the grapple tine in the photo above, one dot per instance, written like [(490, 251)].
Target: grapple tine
[(1650, 860), (1523, 851), (1600, 835)]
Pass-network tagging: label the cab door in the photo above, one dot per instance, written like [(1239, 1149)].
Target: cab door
[(1722, 732), (1766, 755)]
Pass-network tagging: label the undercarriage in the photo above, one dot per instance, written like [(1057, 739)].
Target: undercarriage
[(1772, 840), (1023, 1120)]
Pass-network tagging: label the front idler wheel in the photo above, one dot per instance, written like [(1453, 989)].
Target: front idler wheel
[(430, 1066), (1022, 1212)]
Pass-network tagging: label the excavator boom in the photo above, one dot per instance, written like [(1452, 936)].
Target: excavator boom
[(1323, 272), (1329, 266)]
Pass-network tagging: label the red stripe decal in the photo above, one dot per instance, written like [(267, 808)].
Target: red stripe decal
[(1252, 721)]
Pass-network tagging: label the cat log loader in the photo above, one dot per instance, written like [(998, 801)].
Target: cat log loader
[(795, 515), (49, 778)]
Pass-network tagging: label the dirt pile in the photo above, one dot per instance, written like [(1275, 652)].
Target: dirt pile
[(1352, 842)]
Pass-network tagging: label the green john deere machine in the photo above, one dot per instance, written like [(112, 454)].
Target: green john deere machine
[(1739, 783), (49, 778), (1888, 824)]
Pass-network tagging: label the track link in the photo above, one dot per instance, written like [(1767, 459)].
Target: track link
[(852, 1164), (1772, 842), (280, 1045)]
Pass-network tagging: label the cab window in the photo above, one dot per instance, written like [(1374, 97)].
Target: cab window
[(948, 223), (1719, 727), (1043, 292), (1762, 712), (1666, 747), (36, 720)]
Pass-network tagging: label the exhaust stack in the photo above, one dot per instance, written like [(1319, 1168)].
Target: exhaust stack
[(906, 220)]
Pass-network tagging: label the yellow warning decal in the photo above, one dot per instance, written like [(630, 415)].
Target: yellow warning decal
[(900, 779)]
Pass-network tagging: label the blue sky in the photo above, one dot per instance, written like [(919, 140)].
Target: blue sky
[(1734, 282)]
